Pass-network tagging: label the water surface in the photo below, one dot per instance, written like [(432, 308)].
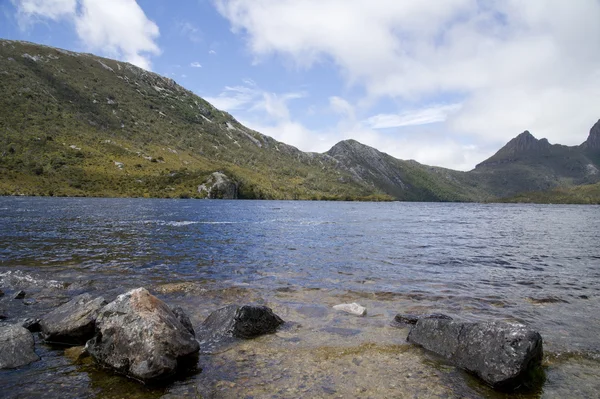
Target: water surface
[(535, 264)]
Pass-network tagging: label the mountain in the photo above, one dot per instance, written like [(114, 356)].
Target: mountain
[(80, 125), (404, 180), (77, 124), (526, 164)]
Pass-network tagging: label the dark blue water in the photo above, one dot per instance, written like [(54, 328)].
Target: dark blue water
[(538, 264)]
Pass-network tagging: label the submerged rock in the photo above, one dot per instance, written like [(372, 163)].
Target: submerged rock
[(19, 295), (140, 336), (413, 318), (352, 308), (74, 322), (246, 321), (501, 354), (1, 293), (32, 325), (77, 354), (16, 347)]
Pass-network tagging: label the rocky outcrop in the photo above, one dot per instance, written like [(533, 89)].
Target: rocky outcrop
[(16, 347), (219, 186), (501, 354), (74, 322), (138, 335), (241, 322)]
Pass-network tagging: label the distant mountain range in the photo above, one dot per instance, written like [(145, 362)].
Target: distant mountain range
[(80, 125)]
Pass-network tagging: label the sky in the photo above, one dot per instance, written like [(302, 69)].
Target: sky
[(446, 83)]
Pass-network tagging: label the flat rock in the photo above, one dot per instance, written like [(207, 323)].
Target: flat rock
[(246, 321), (501, 354), (139, 336), (352, 308), (72, 323), (16, 347)]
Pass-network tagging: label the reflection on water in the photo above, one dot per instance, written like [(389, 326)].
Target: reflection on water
[(530, 263)]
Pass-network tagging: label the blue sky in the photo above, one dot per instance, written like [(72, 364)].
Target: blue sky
[(445, 83)]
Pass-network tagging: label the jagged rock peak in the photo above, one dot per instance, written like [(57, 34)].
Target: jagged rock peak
[(525, 143), (593, 140)]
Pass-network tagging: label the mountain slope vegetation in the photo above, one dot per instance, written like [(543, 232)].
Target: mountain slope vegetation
[(80, 125), (77, 124)]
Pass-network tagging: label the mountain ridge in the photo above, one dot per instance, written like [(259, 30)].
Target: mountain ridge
[(78, 124)]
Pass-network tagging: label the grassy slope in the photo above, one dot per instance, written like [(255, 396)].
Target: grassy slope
[(77, 124), (584, 194)]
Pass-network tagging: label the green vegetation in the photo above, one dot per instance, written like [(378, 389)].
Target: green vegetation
[(584, 194), (79, 125)]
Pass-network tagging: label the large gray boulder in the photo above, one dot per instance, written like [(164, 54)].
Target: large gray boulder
[(246, 321), (74, 322), (16, 347), (139, 335), (501, 354), (219, 186)]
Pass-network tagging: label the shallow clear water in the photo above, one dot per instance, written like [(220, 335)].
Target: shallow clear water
[(537, 264)]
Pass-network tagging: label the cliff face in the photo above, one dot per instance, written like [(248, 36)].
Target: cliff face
[(593, 141)]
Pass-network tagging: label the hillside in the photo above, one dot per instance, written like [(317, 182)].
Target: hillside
[(404, 180), (80, 125), (584, 194), (77, 124)]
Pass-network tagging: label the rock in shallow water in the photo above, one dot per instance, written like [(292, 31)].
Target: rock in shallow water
[(501, 354), (413, 318), (139, 335), (19, 295), (74, 322), (352, 308), (241, 321), (16, 347)]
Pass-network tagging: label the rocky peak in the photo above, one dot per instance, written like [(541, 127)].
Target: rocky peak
[(593, 140), (525, 143)]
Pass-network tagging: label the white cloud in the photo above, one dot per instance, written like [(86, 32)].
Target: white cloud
[(212, 52), (190, 31), (253, 99), (513, 64), (423, 116), (341, 106), (53, 9), (117, 28), (234, 98), (196, 64)]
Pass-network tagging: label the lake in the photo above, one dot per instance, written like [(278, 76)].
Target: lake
[(535, 264)]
